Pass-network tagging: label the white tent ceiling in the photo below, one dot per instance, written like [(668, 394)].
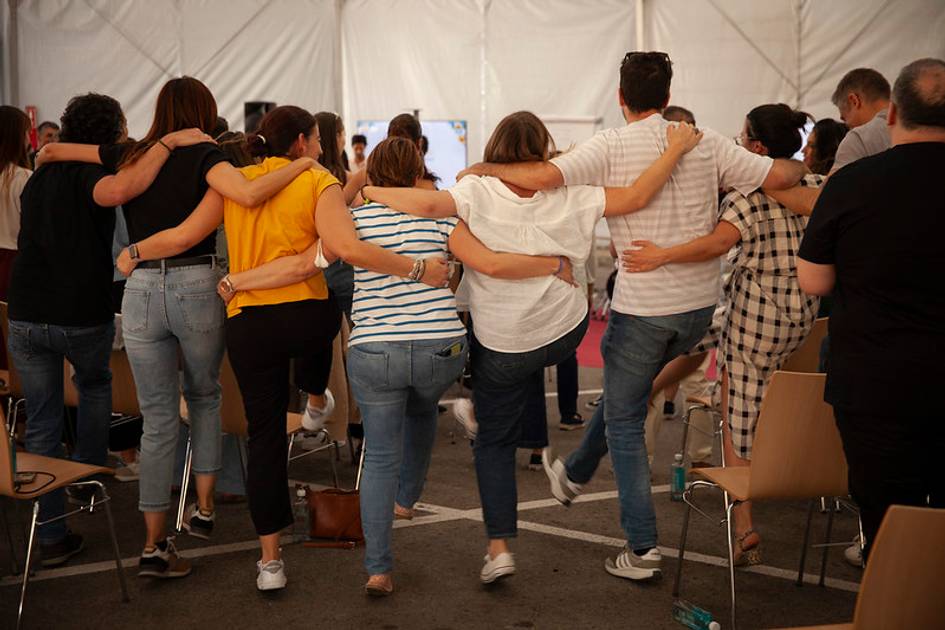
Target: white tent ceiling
[(469, 59)]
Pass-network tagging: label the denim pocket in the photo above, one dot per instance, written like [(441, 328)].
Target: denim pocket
[(448, 368), (368, 369), (134, 310), (201, 312), (20, 341)]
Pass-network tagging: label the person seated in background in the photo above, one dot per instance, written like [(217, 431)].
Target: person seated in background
[(675, 113), (358, 145), (874, 243), (822, 144), (60, 295)]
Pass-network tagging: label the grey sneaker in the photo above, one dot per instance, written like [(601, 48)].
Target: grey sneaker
[(270, 576), (562, 488), (629, 565)]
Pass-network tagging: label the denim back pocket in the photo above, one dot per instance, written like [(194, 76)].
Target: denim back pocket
[(447, 365), (20, 341), (368, 369), (134, 310), (201, 312)]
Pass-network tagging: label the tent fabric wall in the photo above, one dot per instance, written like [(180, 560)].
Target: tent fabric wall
[(472, 59)]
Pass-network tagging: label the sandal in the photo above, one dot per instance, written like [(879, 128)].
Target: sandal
[(745, 556), (379, 585)]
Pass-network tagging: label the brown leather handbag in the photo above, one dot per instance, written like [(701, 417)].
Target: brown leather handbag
[(335, 516)]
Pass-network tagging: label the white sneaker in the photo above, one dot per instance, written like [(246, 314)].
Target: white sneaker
[(854, 553), (633, 567), (466, 416), (129, 472), (314, 418), (503, 565), (270, 576), (562, 488)]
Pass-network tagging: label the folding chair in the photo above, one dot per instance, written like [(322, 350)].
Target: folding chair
[(797, 454), (53, 474), (902, 584)]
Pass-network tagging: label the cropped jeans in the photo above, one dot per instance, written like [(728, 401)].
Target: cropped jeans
[(172, 320), (635, 349), (38, 351), (397, 385)]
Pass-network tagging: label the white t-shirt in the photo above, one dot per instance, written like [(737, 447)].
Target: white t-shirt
[(686, 207), (10, 204), (523, 315)]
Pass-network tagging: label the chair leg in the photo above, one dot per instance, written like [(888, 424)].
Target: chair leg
[(682, 548), (806, 545), (14, 565), (185, 484), (685, 432), (111, 530), (334, 469), (823, 562), (291, 444), (731, 557), (29, 559)]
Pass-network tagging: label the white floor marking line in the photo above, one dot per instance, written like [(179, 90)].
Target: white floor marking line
[(583, 392)]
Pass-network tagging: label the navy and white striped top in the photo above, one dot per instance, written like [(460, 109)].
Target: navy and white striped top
[(392, 308)]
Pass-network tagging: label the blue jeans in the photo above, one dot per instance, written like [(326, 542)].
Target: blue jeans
[(397, 385), (635, 349), (503, 393), (173, 319), (38, 351)]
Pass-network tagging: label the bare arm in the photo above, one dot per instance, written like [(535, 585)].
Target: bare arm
[(230, 182), (650, 257), (415, 201), (470, 250), (68, 152), (339, 237), (784, 173), (277, 273), (816, 279), (799, 199), (200, 224), (681, 138), (528, 175), (356, 181)]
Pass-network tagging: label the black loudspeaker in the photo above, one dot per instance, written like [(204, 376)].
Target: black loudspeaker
[(253, 111)]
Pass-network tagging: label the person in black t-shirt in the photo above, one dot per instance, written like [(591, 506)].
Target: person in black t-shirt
[(60, 305), (874, 239)]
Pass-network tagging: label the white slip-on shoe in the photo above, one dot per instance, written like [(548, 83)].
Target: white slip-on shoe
[(465, 415), (503, 565), (314, 418), (629, 565), (270, 576), (854, 553), (562, 488)]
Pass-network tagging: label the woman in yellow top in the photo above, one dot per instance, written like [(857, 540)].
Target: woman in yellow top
[(267, 328)]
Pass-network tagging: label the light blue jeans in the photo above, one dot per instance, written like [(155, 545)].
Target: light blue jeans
[(397, 386), (635, 349), (173, 319)]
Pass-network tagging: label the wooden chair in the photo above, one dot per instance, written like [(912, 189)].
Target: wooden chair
[(14, 386), (807, 356), (901, 586), (797, 454), (52, 474)]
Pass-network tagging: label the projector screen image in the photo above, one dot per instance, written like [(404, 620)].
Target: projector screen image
[(447, 154)]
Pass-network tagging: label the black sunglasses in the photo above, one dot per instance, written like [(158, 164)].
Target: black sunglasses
[(646, 56)]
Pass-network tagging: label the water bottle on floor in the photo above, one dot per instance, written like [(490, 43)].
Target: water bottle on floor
[(692, 616), (300, 527), (677, 479)]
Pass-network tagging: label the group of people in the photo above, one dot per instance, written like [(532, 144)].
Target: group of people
[(311, 241)]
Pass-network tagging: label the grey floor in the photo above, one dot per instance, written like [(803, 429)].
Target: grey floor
[(560, 554)]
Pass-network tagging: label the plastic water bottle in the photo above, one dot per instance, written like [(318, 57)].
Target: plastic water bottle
[(692, 616), (300, 527), (677, 479)]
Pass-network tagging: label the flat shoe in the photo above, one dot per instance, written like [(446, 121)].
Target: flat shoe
[(379, 586)]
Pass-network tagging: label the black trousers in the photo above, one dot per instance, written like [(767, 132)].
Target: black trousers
[(893, 459), (262, 342)]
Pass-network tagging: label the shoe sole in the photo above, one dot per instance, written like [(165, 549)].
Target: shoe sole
[(64, 558), (277, 586), (196, 533), (163, 575), (632, 573), (571, 427), (373, 591), (497, 575), (553, 480)]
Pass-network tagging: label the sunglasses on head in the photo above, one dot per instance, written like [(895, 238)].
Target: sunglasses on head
[(646, 56)]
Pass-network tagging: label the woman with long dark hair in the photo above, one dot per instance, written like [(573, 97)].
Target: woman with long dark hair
[(822, 144), (14, 171), (768, 315)]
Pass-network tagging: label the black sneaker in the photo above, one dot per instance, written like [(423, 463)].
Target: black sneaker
[(59, 553), (81, 495), (163, 562), (594, 404), (669, 409), (196, 523), (572, 423), (534, 462)]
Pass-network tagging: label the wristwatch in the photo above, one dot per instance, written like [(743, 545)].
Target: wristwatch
[(133, 252)]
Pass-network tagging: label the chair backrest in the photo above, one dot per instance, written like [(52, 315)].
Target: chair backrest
[(232, 413), (124, 393), (807, 356), (902, 585), (15, 387), (797, 452), (6, 462)]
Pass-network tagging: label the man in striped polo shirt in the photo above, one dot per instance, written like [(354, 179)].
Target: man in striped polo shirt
[(658, 315)]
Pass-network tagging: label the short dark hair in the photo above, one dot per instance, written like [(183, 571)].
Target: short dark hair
[(46, 123), (405, 126), (92, 119), (866, 82), (645, 79), (777, 126), (828, 133), (675, 113), (359, 138), (919, 94)]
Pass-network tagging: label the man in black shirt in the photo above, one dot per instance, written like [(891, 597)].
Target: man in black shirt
[(60, 294), (874, 239)]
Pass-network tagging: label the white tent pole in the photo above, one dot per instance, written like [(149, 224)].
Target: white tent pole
[(640, 44), (12, 55)]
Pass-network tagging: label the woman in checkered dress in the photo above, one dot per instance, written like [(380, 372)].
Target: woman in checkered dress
[(767, 315)]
